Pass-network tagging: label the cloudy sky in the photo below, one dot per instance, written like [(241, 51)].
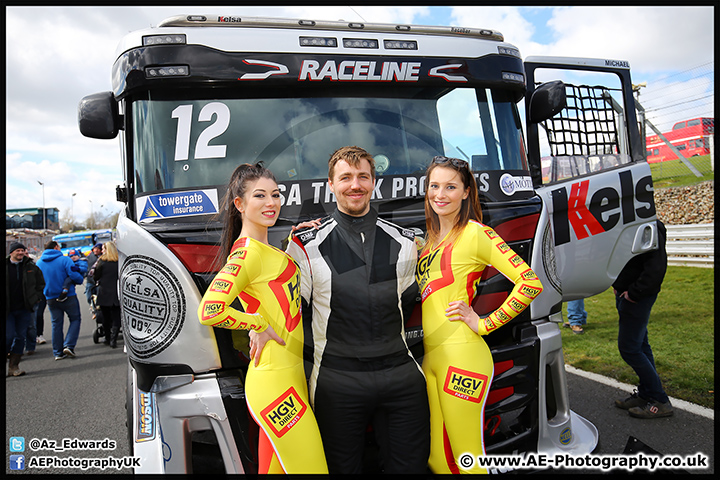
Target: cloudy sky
[(57, 55)]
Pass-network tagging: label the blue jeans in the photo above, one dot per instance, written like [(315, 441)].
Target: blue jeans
[(71, 307), (16, 326), (576, 312), (634, 346), (89, 291), (40, 317), (31, 341)]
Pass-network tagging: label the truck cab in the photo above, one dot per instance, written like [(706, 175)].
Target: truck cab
[(199, 94)]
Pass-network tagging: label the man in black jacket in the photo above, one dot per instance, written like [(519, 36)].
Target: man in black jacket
[(358, 285), (23, 290), (636, 290)]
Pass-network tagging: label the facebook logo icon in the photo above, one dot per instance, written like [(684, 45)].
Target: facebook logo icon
[(17, 462)]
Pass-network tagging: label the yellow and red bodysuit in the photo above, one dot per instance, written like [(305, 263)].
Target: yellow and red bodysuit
[(267, 282), (458, 364)]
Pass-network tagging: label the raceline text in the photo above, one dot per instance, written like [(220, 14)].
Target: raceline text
[(360, 70)]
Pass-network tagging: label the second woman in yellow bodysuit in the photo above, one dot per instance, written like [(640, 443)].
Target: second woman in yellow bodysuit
[(458, 364)]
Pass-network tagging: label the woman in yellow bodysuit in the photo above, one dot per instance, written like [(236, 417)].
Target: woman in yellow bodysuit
[(266, 281), (458, 364)]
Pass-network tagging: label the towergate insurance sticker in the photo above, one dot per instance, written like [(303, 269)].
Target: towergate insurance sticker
[(176, 204)]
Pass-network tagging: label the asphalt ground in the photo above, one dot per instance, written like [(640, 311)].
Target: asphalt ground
[(83, 398)]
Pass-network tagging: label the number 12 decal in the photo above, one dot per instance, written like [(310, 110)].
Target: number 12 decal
[(202, 148)]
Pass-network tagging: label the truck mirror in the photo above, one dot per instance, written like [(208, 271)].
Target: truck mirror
[(98, 116), (547, 100)]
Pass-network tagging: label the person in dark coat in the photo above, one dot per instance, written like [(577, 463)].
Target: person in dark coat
[(106, 280), (23, 290), (636, 290)]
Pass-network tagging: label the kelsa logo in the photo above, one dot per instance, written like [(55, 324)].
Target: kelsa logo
[(231, 269), (284, 413), (212, 309), (467, 385), (601, 214), (222, 286)]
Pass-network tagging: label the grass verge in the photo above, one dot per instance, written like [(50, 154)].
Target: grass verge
[(681, 333), (674, 173)]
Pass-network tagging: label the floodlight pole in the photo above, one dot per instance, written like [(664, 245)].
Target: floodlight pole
[(43, 189)]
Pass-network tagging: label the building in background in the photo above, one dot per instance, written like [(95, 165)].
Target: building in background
[(32, 217)]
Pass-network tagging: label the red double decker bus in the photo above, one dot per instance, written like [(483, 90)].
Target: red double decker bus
[(691, 137)]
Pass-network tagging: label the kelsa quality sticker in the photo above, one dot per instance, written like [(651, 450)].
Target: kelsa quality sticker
[(153, 306)]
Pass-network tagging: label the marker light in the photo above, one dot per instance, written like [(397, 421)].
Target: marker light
[(173, 39), (167, 71), (318, 42), (509, 51), (513, 77), (400, 44), (360, 43)]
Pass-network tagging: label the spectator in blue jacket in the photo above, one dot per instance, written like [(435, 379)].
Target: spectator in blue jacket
[(56, 268)]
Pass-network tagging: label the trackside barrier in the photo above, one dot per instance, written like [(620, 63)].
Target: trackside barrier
[(691, 245)]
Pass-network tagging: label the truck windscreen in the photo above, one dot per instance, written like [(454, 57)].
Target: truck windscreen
[(180, 142)]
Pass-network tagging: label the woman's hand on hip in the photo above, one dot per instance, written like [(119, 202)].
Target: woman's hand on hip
[(459, 310)]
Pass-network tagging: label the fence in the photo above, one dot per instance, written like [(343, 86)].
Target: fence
[(691, 245), (34, 240)]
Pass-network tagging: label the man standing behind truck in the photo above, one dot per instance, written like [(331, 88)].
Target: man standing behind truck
[(636, 290), (358, 283)]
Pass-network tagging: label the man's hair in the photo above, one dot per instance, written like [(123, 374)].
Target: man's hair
[(51, 245), (353, 156)]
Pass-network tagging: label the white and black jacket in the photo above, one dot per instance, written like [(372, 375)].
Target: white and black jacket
[(358, 283)]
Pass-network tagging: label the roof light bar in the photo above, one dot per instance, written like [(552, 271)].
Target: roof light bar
[(225, 21), (509, 51), (360, 43), (173, 39), (167, 71), (513, 77), (400, 44), (318, 42)]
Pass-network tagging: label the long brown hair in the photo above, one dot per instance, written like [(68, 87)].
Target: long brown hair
[(237, 187), (469, 210)]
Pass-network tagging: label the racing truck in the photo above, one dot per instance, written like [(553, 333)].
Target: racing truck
[(553, 142)]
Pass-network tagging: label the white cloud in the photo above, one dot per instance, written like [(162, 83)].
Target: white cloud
[(653, 39)]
